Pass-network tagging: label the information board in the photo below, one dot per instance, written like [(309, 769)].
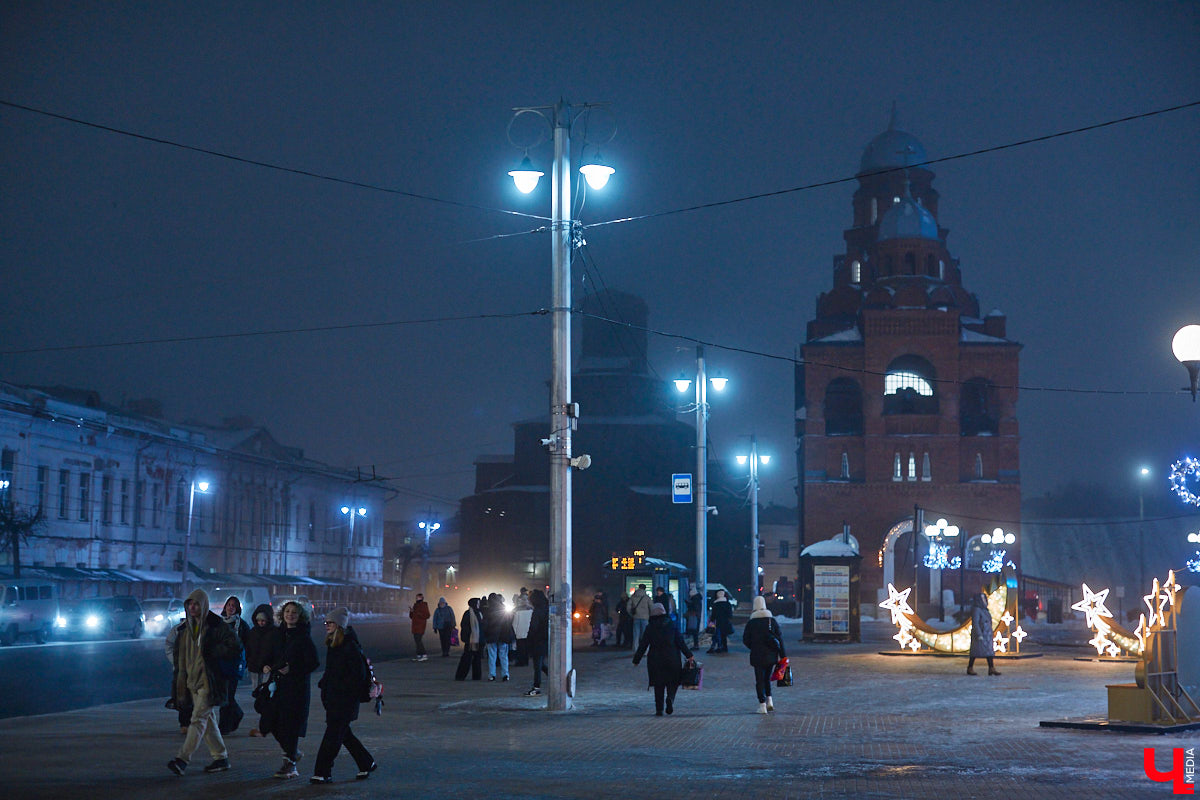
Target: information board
[(831, 599)]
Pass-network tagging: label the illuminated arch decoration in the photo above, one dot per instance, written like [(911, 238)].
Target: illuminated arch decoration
[(915, 634), (1185, 474)]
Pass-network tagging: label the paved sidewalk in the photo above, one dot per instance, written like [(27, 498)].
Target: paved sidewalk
[(856, 725)]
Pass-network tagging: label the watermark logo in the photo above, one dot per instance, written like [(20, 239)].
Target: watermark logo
[(1183, 769)]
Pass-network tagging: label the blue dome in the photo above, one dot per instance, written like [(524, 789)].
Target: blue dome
[(907, 219), (892, 149)]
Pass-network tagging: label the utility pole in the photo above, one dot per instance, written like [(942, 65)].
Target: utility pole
[(702, 485)]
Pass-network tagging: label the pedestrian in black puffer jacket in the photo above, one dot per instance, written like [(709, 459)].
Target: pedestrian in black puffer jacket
[(666, 644), (341, 690), (293, 659), (765, 641), (259, 641)]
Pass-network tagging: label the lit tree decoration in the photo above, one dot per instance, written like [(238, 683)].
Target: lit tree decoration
[(996, 562), (1181, 472), (1193, 564), (937, 557)]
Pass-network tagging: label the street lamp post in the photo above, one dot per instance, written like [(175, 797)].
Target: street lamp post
[(187, 542), (563, 413), (429, 527), (351, 512), (755, 459), (935, 533), (1143, 474), (701, 488)]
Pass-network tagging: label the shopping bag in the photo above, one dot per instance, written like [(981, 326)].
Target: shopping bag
[(692, 675), (454, 637), (786, 679), (780, 667)]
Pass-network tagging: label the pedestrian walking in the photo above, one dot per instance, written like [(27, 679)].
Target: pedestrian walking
[(293, 660), (419, 614), (538, 642), (497, 635), (443, 624), (230, 716), (667, 600), (639, 612), (722, 617), (470, 632), (522, 613), (691, 616), (982, 645), (202, 643), (598, 614), (259, 640), (341, 691), (183, 714), (765, 642), (623, 622), (663, 646)]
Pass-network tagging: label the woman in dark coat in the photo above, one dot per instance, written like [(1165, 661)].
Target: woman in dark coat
[(259, 641), (293, 659), (470, 633), (765, 641), (665, 644), (982, 645), (722, 617), (231, 713), (691, 615), (538, 641), (341, 691)]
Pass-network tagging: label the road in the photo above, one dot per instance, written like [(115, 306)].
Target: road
[(60, 676)]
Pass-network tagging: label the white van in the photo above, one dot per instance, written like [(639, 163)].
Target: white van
[(28, 607), (250, 597)]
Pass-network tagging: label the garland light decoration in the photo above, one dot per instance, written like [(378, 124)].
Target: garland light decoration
[(1182, 471), (915, 633), (1110, 639)]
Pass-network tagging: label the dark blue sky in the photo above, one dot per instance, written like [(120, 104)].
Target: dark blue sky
[(1088, 243)]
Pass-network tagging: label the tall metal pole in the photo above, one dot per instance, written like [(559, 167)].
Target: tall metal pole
[(702, 485), (187, 543), (558, 695), (753, 517)]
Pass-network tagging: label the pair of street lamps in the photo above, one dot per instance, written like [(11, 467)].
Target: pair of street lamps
[(754, 459)]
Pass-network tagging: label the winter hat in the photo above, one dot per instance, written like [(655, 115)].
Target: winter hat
[(340, 616), (657, 610), (760, 603)]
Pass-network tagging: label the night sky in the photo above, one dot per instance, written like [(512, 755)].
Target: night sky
[(1089, 243)]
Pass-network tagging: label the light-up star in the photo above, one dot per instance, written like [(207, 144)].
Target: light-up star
[(1171, 587), (1156, 598), (1113, 650), (1092, 606), (897, 603), (914, 645), (1000, 642), (1143, 633), (1099, 641), (1019, 634), (903, 638), (1007, 619)]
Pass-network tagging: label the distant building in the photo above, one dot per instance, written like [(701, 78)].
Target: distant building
[(115, 484), (907, 394)]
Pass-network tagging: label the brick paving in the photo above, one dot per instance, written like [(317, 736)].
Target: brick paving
[(856, 725)]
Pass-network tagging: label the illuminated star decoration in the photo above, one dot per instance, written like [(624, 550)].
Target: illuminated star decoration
[(1193, 564), (1007, 619), (1019, 634), (1171, 588), (1100, 641), (897, 603), (1092, 606), (1000, 642), (1181, 472), (1156, 598), (1143, 632)]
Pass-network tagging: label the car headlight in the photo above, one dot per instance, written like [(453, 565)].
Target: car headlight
[(158, 617), (142, 617), (60, 621), (92, 621)]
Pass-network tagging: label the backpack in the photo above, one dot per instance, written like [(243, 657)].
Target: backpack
[(371, 688)]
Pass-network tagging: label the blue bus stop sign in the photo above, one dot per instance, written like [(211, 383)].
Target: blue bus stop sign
[(681, 487)]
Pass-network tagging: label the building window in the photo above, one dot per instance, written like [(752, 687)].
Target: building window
[(785, 548), (139, 500), (64, 491), (896, 476), (156, 504), (845, 465), (926, 472), (181, 507), (874, 210), (978, 465), (85, 496), (8, 464), (124, 501), (894, 382), (908, 387), (43, 478), (912, 467), (856, 271), (843, 408), (106, 499), (941, 269)]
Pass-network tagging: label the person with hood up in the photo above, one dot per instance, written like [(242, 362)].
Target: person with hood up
[(443, 624), (258, 644), (538, 642), (639, 611), (765, 642), (202, 642), (691, 616), (231, 713), (341, 686), (722, 618), (665, 645), (982, 645), (497, 635), (470, 632), (293, 659), (624, 623), (419, 613)]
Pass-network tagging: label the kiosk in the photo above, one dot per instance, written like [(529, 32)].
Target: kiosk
[(829, 574), (626, 572)]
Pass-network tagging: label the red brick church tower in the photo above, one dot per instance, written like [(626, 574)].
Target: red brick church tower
[(906, 394)]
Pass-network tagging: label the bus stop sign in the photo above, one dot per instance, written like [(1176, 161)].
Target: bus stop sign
[(681, 487)]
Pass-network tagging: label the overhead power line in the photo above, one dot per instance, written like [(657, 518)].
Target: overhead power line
[(265, 164)]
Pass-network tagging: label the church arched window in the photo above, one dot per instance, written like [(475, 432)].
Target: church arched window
[(908, 387), (856, 271), (977, 413), (910, 264), (912, 466), (979, 466), (926, 469), (896, 468)]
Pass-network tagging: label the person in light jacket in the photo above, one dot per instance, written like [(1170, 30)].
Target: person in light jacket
[(639, 611), (765, 642), (443, 624), (665, 645), (982, 645)]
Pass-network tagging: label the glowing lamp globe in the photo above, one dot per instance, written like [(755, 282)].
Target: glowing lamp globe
[(597, 175), (1186, 347), (202, 486), (742, 460), (764, 460), (719, 383), (525, 176), (682, 384)]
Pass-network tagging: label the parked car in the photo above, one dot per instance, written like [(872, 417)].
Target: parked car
[(106, 616), (162, 613), (28, 607), (711, 590)]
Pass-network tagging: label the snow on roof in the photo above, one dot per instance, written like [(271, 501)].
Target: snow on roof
[(832, 547), (850, 335)]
